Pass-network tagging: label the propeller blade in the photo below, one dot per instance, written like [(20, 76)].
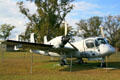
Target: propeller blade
[(73, 46), (65, 39), (66, 28)]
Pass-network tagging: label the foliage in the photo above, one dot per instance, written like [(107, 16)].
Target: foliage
[(89, 27), (112, 28), (118, 39), (110, 24), (48, 17), (5, 30)]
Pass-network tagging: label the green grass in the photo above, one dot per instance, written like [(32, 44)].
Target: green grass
[(17, 66)]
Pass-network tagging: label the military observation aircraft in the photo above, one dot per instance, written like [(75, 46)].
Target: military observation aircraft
[(92, 48)]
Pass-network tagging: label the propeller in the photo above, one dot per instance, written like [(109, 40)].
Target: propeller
[(65, 40)]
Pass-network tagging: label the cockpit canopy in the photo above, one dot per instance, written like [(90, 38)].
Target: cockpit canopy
[(101, 41), (95, 42)]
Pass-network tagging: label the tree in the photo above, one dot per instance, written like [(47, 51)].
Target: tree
[(48, 17), (89, 27), (112, 28), (111, 25), (58, 32), (118, 39), (5, 30)]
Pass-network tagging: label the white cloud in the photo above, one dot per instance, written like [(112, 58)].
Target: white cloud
[(97, 13), (84, 6), (71, 21), (9, 13), (31, 7), (82, 10)]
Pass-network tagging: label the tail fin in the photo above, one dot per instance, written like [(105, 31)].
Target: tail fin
[(32, 40), (45, 40), (17, 39)]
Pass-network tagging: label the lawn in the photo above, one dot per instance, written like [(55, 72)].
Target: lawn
[(21, 66)]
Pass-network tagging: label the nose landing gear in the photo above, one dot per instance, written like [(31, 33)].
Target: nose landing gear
[(103, 63)]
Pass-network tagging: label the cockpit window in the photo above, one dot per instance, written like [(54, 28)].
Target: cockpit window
[(96, 43), (101, 41), (90, 44), (107, 41)]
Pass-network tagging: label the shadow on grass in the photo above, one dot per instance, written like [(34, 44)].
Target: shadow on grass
[(114, 65), (90, 66), (87, 66)]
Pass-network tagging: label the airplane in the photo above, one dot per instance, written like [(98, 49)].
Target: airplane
[(92, 48)]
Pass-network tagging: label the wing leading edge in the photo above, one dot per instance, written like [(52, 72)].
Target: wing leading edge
[(38, 46)]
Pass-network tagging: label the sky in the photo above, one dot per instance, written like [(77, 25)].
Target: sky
[(83, 9)]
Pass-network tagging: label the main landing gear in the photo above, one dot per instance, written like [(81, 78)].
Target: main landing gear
[(80, 61), (63, 62)]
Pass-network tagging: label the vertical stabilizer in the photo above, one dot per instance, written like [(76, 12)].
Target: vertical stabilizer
[(45, 39), (32, 40), (17, 39)]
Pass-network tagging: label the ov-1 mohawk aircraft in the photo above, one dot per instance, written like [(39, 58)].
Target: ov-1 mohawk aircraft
[(93, 48)]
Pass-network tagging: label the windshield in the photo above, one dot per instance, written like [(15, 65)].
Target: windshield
[(91, 43), (101, 41)]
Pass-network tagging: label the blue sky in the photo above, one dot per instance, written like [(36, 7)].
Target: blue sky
[(86, 8), (83, 9)]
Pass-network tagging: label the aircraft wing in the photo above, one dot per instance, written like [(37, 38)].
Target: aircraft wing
[(38, 46)]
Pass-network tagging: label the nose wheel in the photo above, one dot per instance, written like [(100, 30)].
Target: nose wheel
[(103, 63)]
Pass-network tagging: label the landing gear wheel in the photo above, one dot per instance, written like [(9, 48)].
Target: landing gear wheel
[(63, 62), (80, 61), (103, 65)]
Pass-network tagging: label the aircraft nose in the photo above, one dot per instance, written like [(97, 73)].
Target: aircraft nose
[(106, 49), (112, 49)]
